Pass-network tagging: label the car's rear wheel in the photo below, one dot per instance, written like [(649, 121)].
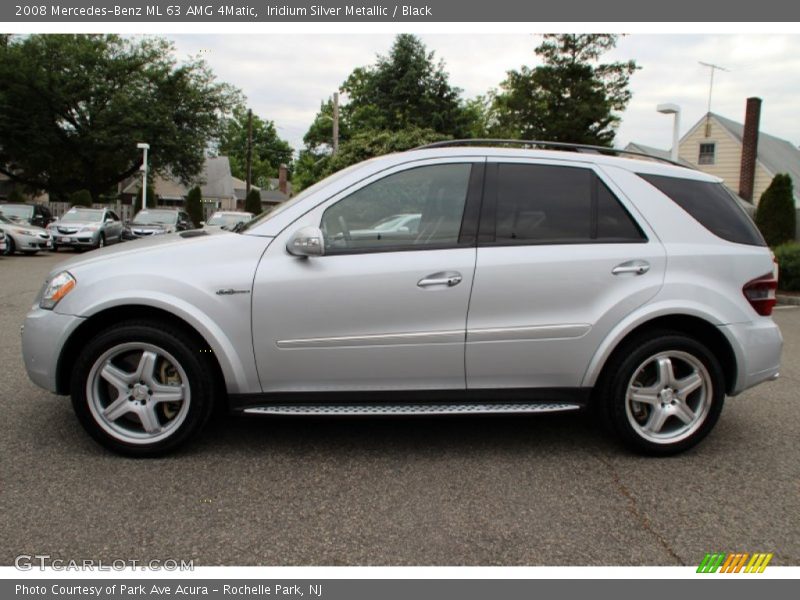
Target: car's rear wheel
[(664, 393), (143, 388)]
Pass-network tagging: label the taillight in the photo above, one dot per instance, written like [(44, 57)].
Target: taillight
[(760, 293)]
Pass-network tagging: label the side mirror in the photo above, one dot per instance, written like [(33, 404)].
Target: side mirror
[(306, 241)]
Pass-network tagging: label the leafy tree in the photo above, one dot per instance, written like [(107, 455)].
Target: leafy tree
[(269, 150), (80, 198), (252, 203), (311, 167), (73, 107), (194, 205), (775, 215), (403, 100), (568, 98)]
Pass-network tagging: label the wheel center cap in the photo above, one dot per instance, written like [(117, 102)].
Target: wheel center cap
[(139, 391), (667, 395)]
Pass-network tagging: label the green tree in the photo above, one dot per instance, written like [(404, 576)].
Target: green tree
[(16, 196), (194, 205), (73, 107), (151, 199), (775, 215), (570, 97), (252, 203), (269, 150), (403, 100), (80, 198)]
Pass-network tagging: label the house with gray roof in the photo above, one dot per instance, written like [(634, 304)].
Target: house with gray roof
[(744, 157)]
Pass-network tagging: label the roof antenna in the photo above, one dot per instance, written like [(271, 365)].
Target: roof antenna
[(710, 89)]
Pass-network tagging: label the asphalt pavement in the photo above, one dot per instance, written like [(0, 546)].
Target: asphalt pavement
[(535, 490)]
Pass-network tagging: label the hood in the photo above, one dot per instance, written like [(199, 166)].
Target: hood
[(75, 224), (23, 225), (156, 250)]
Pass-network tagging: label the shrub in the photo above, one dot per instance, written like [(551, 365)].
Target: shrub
[(80, 198), (775, 216), (788, 257), (194, 205), (17, 197), (151, 199), (253, 202)]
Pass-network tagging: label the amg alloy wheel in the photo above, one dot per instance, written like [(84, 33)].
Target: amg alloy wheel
[(142, 388), (664, 392)]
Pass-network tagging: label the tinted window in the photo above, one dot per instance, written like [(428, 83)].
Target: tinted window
[(712, 205), (419, 207), (613, 221), (547, 204)]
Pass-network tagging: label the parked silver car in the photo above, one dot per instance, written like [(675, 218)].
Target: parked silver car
[(157, 221), (24, 238), (81, 227), (536, 281)]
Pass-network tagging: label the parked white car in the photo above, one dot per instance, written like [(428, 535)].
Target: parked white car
[(24, 238), (536, 281), (224, 219)]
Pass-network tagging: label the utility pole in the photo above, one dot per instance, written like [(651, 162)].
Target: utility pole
[(249, 167), (335, 122), (710, 89)]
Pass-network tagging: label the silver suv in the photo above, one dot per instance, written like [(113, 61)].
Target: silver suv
[(535, 281), (81, 227)]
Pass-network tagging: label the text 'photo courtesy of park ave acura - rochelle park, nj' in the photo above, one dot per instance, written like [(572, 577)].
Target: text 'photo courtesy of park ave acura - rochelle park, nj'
[(399, 299)]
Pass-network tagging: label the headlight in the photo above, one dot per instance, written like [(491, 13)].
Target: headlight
[(24, 232), (58, 287)]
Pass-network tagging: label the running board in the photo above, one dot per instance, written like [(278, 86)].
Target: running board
[(434, 408)]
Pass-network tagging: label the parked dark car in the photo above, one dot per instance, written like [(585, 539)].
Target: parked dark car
[(37, 215)]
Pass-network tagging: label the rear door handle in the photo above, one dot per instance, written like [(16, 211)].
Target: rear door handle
[(447, 279), (632, 267)]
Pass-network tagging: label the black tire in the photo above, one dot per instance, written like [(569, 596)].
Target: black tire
[(190, 354), (639, 362), (101, 242), (10, 248)]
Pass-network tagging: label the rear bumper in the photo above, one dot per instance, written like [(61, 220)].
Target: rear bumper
[(757, 346)]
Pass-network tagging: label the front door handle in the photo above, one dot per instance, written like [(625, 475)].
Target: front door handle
[(632, 267), (448, 279)]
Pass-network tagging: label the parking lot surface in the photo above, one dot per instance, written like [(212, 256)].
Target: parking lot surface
[(535, 490)]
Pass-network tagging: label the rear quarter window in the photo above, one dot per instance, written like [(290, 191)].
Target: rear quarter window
[(710, 204)]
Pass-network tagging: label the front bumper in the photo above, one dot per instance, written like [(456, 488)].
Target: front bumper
[(88, 239), (25, 243), (757, 346), (44, 335)]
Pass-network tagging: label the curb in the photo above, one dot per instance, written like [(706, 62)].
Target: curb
[(792, 300)]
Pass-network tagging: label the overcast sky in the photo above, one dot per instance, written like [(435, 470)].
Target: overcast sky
[(285, 77)]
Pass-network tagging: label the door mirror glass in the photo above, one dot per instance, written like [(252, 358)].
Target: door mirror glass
[(306, 241)]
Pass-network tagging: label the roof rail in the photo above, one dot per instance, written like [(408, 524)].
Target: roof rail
[(544, 144)]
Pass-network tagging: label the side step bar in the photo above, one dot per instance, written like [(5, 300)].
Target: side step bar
[(434, 408)]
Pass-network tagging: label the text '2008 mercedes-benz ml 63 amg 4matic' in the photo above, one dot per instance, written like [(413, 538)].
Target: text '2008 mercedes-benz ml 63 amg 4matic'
[(449, 279)]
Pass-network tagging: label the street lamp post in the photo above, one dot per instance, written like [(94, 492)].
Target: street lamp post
[(144, 148), (673, 109)]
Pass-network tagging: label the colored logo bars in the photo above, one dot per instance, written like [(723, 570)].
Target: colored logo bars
[(735, 563)]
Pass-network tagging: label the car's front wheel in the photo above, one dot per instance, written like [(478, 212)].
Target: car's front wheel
[(142, 388), (664, 393)]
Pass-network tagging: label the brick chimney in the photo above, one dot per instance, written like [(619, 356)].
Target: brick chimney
[(282, 179), (747, 171)]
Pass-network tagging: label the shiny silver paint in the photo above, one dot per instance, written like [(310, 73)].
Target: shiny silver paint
[(70, 234), (499, 317)]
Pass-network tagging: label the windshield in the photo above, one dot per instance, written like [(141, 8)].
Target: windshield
[(155, 217), (82, 215), (16, 212), (6, 221), (221, 220), (272, 212)]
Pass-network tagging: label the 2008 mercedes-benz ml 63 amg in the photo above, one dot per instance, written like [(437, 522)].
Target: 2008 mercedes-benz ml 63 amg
[(449, 279)]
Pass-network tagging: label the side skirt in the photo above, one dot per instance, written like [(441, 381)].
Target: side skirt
[(412, 402)]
